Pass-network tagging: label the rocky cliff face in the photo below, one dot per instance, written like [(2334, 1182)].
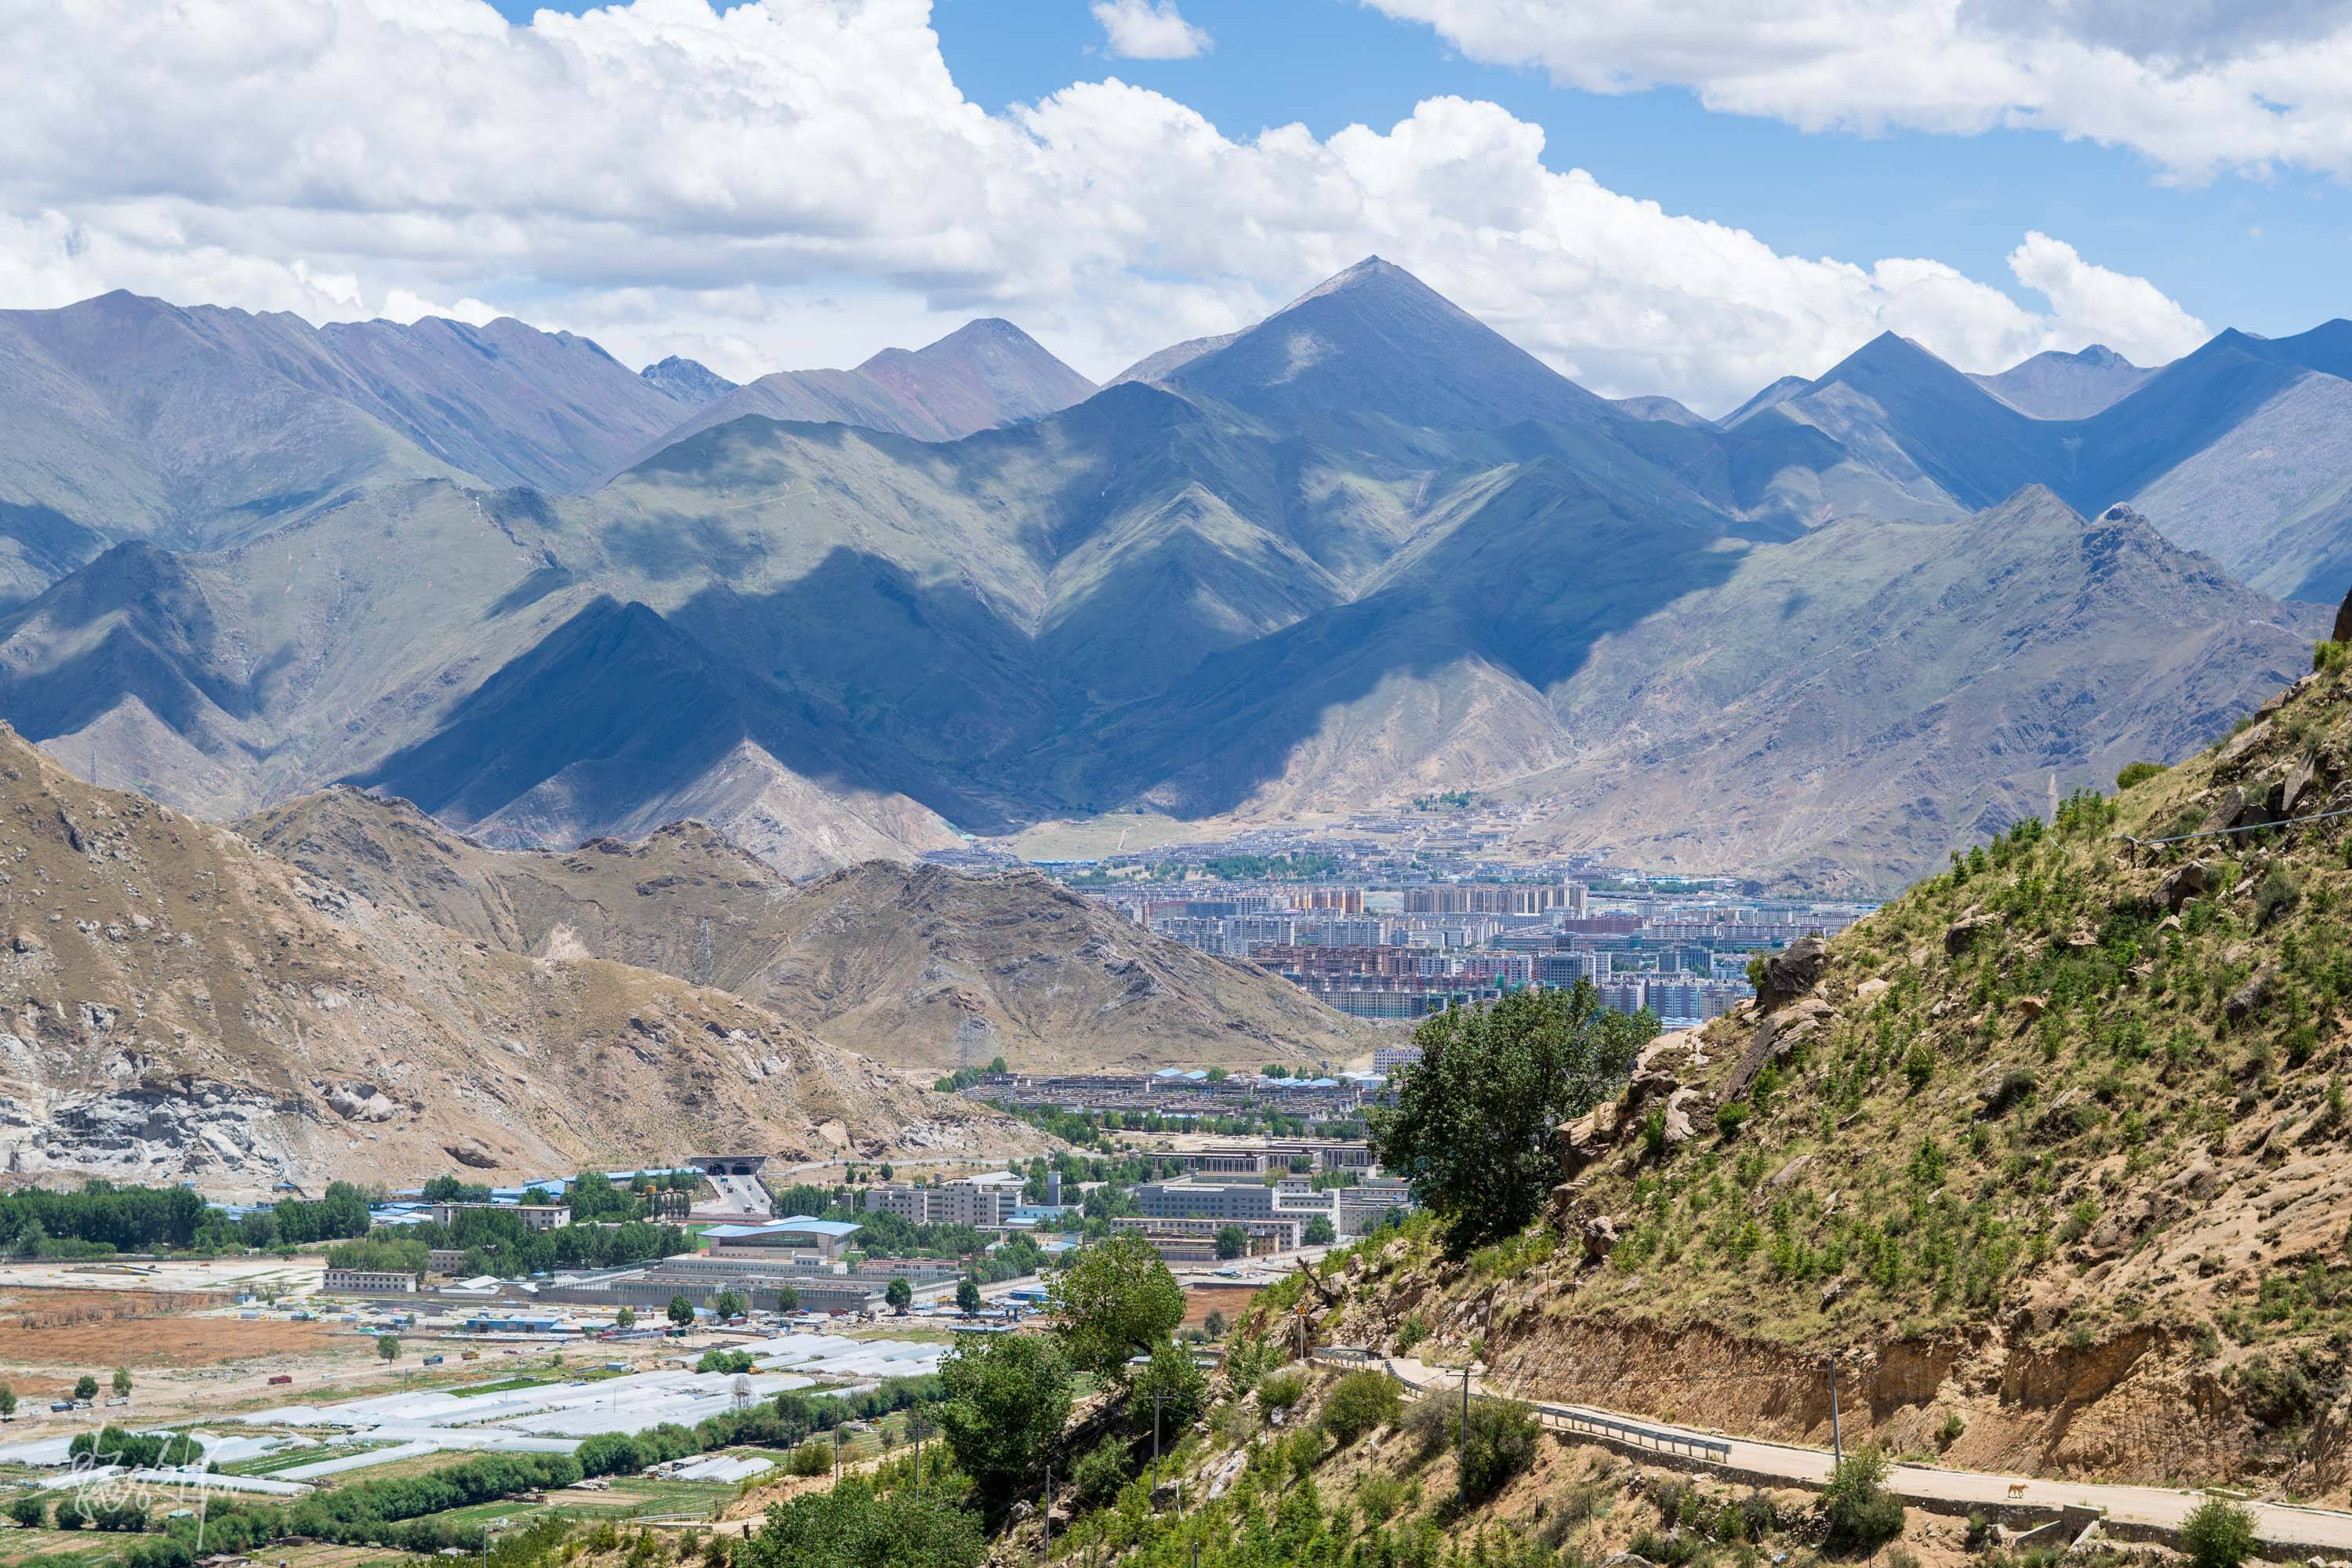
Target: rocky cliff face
[(182, 1005)]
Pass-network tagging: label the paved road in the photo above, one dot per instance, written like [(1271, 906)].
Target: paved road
[(2282, 1524)]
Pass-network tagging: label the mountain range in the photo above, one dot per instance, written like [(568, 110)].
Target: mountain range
[(1365, 548)]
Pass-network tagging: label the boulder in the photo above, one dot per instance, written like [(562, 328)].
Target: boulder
[(1599, 1237), (1580, 1143), (2254, 996), (2243, 745), (2297, 782), (2033, 1007), (1790, 973), (1999, 1087), (2227, 809), (1774, 1039), (1679, 1106), (2187, 882), (2343, 632), (1962, 934)]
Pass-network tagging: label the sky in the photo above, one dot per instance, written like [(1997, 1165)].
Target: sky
[(1689, 197)]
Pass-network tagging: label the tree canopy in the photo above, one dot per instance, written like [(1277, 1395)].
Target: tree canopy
[(852, 1526), (1474, 1129), (1115, 1299), (1008, 1397)]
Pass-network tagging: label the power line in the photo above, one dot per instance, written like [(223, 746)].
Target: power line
[(2223, 832)]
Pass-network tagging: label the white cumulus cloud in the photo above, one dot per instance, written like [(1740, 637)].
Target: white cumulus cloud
[(1148, 30), (2197, 86), (796, 183)]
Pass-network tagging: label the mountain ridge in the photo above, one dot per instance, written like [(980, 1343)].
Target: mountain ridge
[(920, 967)]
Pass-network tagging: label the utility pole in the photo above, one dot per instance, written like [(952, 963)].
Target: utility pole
[(1837, 1438), (1046, 1514)]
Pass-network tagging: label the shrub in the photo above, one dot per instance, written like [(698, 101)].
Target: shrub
[(1359, 1402), (2138, 772), (1954, 1424), (29, 1510), (2330, 655), (1499, 1442), (1379, 1496), (1410, 1332), (1729, 1117), (810, 1459), (1673, 1550), (1653, 1133), (2278, 893), (1429, 1420), (1281, 1391), (1100, 1475), (1858, 1513), (2218, 1535), (1919, 1065)]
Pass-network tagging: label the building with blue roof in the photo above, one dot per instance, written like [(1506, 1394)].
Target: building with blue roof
[(803, 1238)]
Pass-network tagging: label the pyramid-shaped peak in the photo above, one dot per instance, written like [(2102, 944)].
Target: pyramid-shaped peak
[(1375, 340), (1374, 277)]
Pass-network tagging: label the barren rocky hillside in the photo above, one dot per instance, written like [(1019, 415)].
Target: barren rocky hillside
[(2051, 1154), (182, 1005), (918, 967)]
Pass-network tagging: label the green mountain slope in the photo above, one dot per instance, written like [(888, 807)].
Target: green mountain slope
[(2053, 1144)]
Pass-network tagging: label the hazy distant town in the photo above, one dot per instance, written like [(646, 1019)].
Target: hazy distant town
[(1398, 915)]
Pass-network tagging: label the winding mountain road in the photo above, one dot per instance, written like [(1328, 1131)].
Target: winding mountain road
[(2281, 1525)]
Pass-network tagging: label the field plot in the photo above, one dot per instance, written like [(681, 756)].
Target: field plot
[(69, 1327)]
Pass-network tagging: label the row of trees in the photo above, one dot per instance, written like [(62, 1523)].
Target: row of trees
[(103, 1217), (500, 1241)]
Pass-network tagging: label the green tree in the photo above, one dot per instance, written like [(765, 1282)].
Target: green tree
[(899, 1294), (1232, 1241), (1180, 1386), (1320, 1232), (1498, 1440), (591, 1195), (122, 1383), (86, 1387), (625, 1317), (681, 1311), (2218, 1535), (1007, 1400), (729, 1304), (1860, 1514), (387, 1347), (967, 1295), (1473, 1126), (342, 1212), (1359, 1402), (1117, 1297), (851, 1527), (8, 1400)]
